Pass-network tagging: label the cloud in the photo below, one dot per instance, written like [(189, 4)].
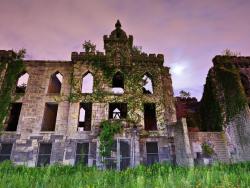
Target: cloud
[(189, 32)]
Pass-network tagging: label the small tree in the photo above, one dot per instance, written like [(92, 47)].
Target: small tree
[(184, 94), (88, 46), (137, 50)]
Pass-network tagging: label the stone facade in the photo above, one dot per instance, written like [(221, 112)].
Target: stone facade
[(143, 146)]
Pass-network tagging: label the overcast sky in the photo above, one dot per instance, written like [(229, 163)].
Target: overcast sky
[(188, 33)]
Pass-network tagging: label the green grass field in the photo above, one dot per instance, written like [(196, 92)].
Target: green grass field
[(219, 175)]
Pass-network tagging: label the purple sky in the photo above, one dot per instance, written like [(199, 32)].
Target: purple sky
[(188, 33)]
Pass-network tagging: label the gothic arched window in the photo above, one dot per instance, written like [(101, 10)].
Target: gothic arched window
[(22, 83), (147, 84), (55, 83), (87, 83)]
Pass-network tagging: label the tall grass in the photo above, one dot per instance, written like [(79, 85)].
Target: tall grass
[(219, 175)]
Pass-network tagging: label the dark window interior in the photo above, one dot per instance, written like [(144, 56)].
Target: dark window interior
[(152, 152), (49, 117), (14, 117), (82, 152), (5, 151), (54, 83), (150, 122), (118, 80), (88, 113), (122, 107), (125, 154), (44, 154)]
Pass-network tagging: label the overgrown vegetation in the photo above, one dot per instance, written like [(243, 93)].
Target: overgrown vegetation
[(223, 176), (14, 68), (108, 130)]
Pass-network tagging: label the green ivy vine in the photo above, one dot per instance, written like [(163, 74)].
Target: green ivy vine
[(14, 68), (108, 130)]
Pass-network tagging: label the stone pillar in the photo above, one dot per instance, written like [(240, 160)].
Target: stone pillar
[(182, 146)]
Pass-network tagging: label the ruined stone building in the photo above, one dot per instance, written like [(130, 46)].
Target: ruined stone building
[(57, 109)]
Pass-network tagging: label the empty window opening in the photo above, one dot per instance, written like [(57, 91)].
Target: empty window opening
[(82, 153), (13, 117), (125, 154), (118, 81), (245, 83), (5, 151), (49, 117), (44, 154), (87, 83), (55, 83), (117, 110), (22, 83), (147, 85), (152, 152), (84, 120), (150, 121)]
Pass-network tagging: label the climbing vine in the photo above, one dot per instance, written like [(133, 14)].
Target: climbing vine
[(223, 94), (14, 68), (108, 130)]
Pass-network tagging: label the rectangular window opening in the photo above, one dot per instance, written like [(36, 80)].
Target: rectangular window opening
[(85, 114), (82, 153), (13, 117), (150, 122), (152, 152), (44, 154), (5, 151), (117, 110), (49, 117)]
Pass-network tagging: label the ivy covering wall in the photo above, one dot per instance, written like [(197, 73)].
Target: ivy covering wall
[(223, 97), (14, 67)]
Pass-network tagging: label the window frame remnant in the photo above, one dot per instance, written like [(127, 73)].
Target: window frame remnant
[(5, 151), (14, 115), (49, 123), (44, 152), (152, 151), (82, 158), (55, 84), (86, 124), (122, 107), (150, 118)]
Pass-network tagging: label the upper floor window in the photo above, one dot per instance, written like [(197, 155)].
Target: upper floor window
[(85, 113), (87, 83), (14, 117), (22, 83), (49, 117), (147, 84), (118, 83), (55, 83)]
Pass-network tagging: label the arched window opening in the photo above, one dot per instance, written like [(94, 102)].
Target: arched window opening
[(55, 83), (147, 85), (87, 83), (246, 84), (84, 120), (22, 83), (118, 83)]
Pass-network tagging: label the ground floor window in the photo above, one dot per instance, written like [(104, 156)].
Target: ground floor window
[(5, 151), (152, 152), (82, 153), (44, 154)]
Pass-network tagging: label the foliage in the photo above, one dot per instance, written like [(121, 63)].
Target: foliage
[(89, 46), (14, 68), (158, 175), (234, 96), (210, 110), (207, 149), (184, 94), (228, 52), (108, 130), (136, 50)]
